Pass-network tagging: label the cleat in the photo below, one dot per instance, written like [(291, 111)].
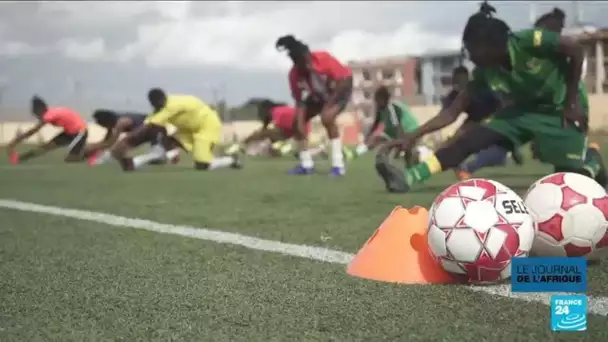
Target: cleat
[(14, 158), (299, 170), (175, 160), (393, 178), (517, 157), (594, 146), (92, 158), (337, 171), (462, 175)]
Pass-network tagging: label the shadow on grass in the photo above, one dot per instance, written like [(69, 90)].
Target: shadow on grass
[(535, 175), (439, 188)]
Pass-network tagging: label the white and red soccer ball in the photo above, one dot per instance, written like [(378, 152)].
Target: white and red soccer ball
[(475, 228), (571, 212)]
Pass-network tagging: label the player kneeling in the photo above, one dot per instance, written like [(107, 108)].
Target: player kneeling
[(73, 135), (548, 104), (278, 120), (115, 124), (396, 118), (198, 130)]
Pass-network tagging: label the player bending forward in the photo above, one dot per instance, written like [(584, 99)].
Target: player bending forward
[(539, 71), (481, 106), (73, 134), (396, 118), (198, 130), (328, 84), (278, 122), (116, 124)]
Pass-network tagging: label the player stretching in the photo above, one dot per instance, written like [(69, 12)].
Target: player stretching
[(116, 124), (396, 118), (74, 133), (198, 130), (555, 21), (278, 121), (328, 85), (481, 106), (540, 73)]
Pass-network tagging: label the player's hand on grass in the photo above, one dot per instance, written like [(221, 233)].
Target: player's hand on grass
[(399, 145)]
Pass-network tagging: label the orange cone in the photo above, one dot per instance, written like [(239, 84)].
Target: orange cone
[(398, 252)]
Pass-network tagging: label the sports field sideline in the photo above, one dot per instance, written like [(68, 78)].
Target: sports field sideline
[(70, 271)]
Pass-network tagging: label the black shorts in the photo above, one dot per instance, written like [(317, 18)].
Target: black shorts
[(152, 136), (74, 142), (314, 104)]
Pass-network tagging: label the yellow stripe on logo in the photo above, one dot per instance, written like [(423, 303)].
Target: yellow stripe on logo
[(538, 38)]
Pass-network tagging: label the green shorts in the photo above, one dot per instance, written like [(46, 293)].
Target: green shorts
[(561, 147)]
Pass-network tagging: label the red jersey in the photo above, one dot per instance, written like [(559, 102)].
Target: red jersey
[(283, 118), (66, 118), (325, 69)]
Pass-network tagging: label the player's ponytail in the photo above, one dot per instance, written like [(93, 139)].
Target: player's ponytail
[(557, 14), (38, 105), (295, 48), (483, 28)]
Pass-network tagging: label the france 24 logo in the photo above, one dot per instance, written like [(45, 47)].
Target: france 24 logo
[(569, 313)]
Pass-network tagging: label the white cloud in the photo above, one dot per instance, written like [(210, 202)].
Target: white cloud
[(13, 49), (83, 51), (247, 41), (236, 34)]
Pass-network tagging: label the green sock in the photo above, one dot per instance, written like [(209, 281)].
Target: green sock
[(417, 173)]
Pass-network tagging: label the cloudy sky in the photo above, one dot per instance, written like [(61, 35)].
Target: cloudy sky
[(88, 54)]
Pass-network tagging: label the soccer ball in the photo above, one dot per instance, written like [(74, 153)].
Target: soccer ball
[(571, 211), (475, 228)]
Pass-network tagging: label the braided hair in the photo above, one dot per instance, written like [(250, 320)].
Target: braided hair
[(264, 107), (295, 48), (554, 20), (484, 29)]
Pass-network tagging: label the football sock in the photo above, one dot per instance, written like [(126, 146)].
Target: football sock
[(492, 156), (172, 153), (221, 162), (157, 152), (337, 156), (422, 171), (306, 159), (103, 158)]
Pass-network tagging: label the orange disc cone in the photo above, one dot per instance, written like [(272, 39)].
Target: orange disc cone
[(398, 252)]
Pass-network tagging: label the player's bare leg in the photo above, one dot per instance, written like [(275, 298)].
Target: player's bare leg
[(306, 165), (328, 118)]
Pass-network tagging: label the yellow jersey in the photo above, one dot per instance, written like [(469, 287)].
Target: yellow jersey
[(185, 112)]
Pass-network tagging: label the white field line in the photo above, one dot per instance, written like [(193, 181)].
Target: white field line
[(596, 305)]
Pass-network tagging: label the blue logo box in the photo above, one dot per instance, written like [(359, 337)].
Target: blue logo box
[(555, 274), (569, 313)]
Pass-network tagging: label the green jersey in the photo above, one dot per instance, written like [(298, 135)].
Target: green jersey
[(397, 114), (537, 79)]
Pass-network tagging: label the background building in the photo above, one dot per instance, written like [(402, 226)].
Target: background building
[(397, 73)]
